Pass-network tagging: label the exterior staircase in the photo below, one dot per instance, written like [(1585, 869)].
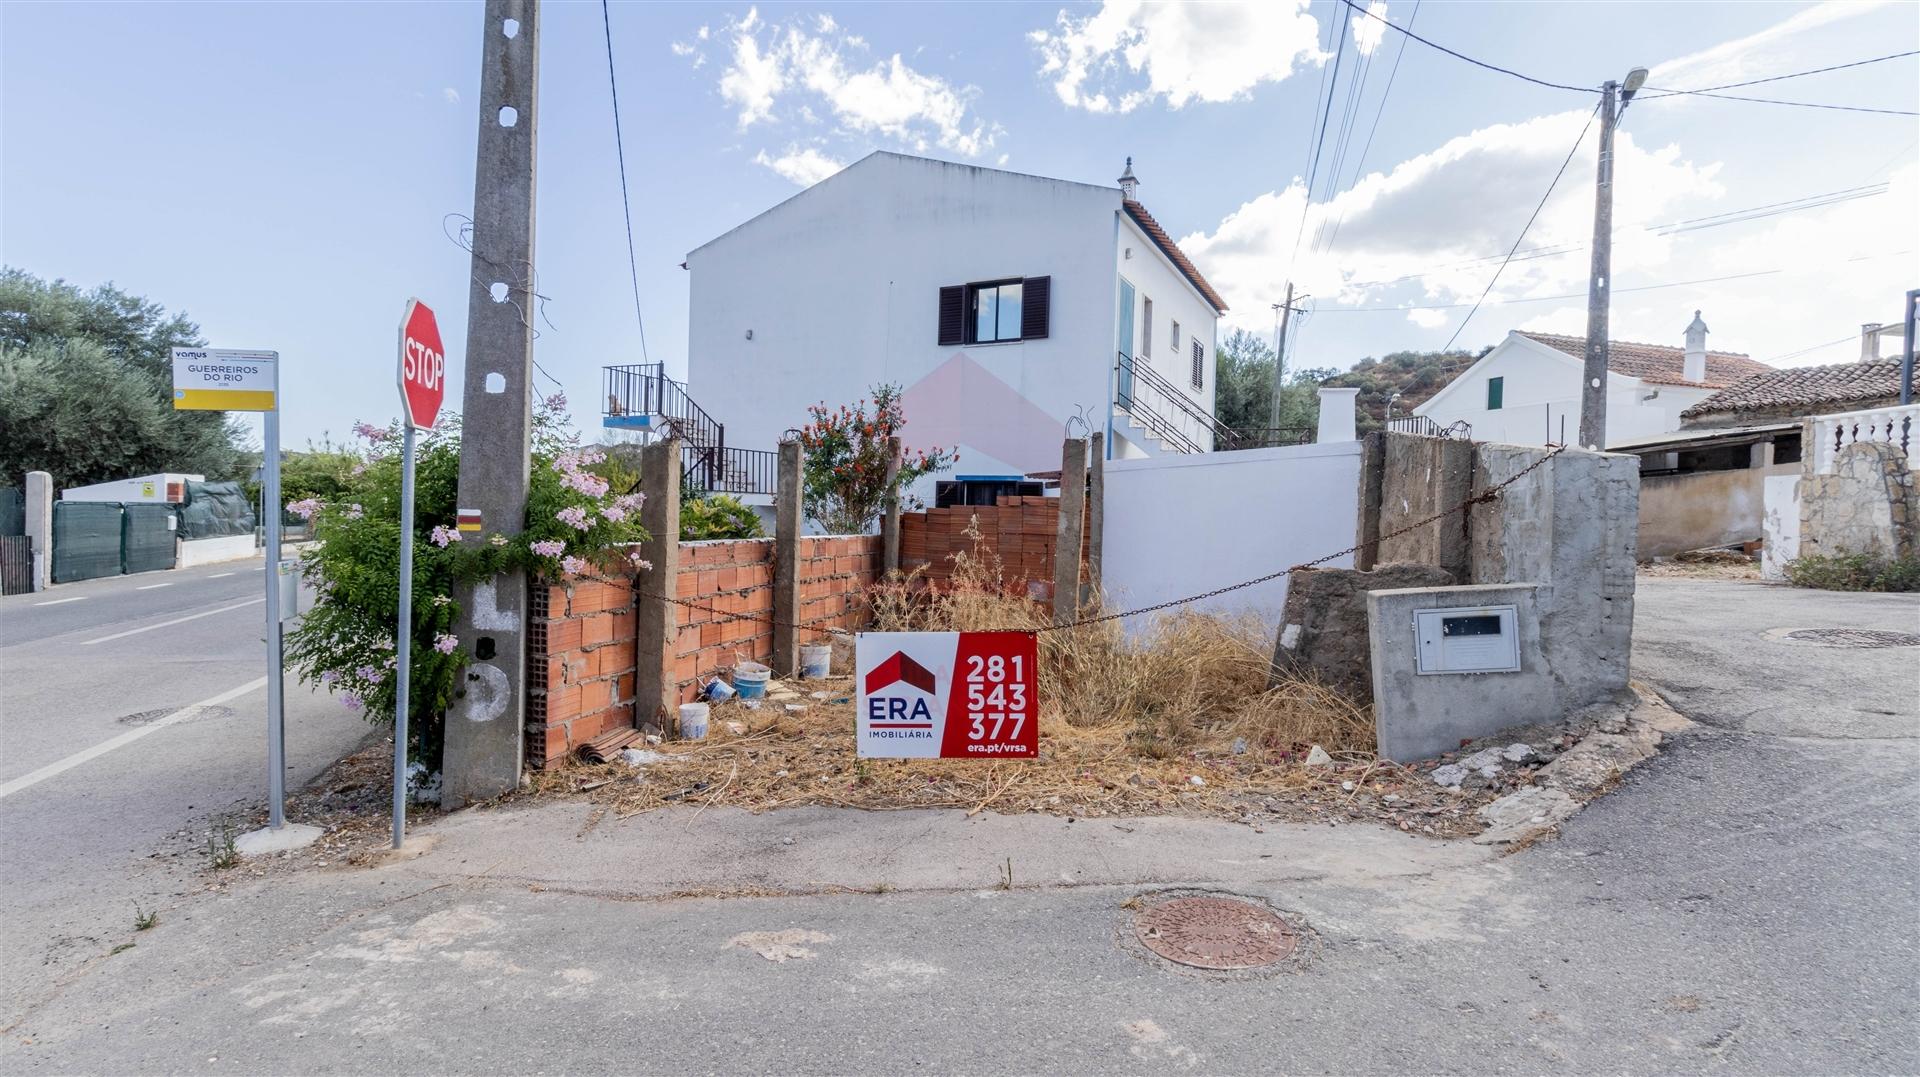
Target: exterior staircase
[(641, 397), (1159, 417)]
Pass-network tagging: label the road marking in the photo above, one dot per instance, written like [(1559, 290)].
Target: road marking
[(175, 621), (124, 739), (217, 575), (151, 586), (57, 601)]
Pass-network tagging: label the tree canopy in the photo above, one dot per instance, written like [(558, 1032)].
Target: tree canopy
[(86, 388), (1243, 390)]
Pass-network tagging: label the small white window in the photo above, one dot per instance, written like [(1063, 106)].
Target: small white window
[(1146, 328), (1176, 338)]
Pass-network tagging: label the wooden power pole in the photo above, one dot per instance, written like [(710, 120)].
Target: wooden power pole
[(485, 722)]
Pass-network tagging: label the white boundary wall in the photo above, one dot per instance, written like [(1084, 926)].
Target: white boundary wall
[(1179, 525), (208, 551)]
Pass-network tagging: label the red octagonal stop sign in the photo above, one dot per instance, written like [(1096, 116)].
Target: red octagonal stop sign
[(423, 366)]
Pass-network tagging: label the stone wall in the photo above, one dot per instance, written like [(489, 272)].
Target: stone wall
[(1867, 505), (1323, 630), (1419, 477)]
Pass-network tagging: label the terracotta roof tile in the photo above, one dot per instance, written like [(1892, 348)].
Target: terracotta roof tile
[(1179, 258), (1659, 363), (1807, 387)]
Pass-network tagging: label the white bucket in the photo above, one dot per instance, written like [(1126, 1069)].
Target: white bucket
[(816, 661), (693, 721), (750, 679)]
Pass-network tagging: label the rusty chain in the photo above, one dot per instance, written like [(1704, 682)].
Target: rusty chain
[(1487, 496)]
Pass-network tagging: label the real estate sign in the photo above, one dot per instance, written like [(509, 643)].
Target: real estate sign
[(225, 379), (946, 695)]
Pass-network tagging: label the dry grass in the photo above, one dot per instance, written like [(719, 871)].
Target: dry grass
[(1126, 728)]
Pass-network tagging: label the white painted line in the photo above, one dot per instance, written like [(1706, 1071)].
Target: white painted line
[(217, 575), (57, 601), (29, 780), (175, 621), (151, 586)]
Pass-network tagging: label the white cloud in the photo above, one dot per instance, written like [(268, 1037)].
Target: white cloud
[(450, 95), (817, 62), (1427, 319), (805, 166), (1758, 54), (1187, 52), (1368, 29)]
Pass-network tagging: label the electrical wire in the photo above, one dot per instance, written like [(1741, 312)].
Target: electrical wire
[(1814, 348), (1469, 59), (1661, 93), (626, 205), (1548, 298), (1795, 75), (1575, 148), (1320, 139), (1379, 110)]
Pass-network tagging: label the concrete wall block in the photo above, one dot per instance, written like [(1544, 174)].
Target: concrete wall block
[(1323, 630)]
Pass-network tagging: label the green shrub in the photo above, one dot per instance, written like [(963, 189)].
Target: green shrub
[(575, 526), (1855, 572), (718, 516)]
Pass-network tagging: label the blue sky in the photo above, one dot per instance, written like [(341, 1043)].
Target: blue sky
[(283, 173)]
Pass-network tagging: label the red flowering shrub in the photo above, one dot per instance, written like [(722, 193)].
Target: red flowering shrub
[(846, 462)]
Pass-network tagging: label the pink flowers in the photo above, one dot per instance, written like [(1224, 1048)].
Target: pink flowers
[(352, 701), (370, 675), (573, 566), (614, 513), (629, 502), (444, 536), (573, 516), (445, 643), (586, 482), (640, 562), (556, 402), (549, 548), (372, 433), (306, 509)]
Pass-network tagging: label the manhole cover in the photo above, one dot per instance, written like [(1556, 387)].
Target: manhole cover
[(1215, 933), (1854, 637)]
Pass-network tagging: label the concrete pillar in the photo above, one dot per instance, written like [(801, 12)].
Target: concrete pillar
[(1336, 416), (40, 526), (656, 628), (1096, 510), (1073, 518), (890, 523), (485, 740), (1373, 456), (786, 561)]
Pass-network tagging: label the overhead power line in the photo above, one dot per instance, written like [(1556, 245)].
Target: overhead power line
[(1522, 238), (1795, 75), (626, 205), (1661, 93), (1469, 59)]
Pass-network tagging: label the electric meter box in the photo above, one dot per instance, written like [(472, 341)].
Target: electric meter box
[(1466, 639)]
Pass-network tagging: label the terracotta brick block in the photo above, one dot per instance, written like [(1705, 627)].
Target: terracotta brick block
[(624, 623), (596, 629), (726, 578), (557, 600), (563, 635), (686, 585), (586, 727), (563, 703), (709, 635), (623, 689), (553, 744)]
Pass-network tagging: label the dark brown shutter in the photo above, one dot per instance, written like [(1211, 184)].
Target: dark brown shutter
[(953, 315), (1199, 365), (1036, 307)]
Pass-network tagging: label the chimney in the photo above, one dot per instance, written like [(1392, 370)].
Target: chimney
[(1129, 186), (1696, 363), (1869, 341)]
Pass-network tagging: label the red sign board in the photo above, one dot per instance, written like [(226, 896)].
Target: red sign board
[(423, 366), (948, 695)]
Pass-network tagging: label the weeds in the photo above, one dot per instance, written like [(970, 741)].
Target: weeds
[(144, 920), (1855, 572), (1006, 875), (221, 853)]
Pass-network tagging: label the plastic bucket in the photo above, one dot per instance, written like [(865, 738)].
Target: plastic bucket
[(816, 661), (750, 680), (693, 721), (718, 690)]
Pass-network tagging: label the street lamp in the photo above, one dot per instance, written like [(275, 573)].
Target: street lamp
[(1593, 384)]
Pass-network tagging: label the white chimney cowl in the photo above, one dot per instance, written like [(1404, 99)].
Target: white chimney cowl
[(1129, 185), (1695, 368)]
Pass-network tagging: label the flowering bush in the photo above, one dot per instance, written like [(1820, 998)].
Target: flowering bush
[(347, 641), (845, 487)]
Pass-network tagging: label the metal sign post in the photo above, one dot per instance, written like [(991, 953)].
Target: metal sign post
[(226, 379), (423, 386)]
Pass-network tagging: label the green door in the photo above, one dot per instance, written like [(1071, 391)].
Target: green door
[(1123, 385)]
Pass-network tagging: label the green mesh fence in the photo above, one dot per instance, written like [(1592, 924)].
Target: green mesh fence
[(214, 509), (146, 538), (13, 511), (86, 540)]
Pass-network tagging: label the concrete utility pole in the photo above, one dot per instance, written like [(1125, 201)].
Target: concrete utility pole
[(484, 734), (1593, 384), (1280, 358)]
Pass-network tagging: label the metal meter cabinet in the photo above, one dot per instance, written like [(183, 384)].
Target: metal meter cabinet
[(1466, 639)]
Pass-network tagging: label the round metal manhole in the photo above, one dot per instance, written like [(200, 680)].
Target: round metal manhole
[(1860, 638), (1216, 933)]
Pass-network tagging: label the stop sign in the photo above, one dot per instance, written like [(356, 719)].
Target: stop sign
[(423, 366)]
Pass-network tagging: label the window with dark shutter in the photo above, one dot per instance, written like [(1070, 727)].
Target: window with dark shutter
[(1199, 366), (953, 315), (1036, 312)]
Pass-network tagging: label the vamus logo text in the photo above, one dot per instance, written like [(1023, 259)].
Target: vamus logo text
[(955, 695)]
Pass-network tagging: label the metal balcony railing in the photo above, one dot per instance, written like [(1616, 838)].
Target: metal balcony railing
[(730, 470), (1424, 427), (640, 396), (1180, 422)]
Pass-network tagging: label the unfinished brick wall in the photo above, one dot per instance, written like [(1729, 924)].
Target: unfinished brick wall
[(1021, 531), (582, 656)]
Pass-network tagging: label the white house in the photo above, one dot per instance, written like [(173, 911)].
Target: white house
[(1004, 305), (1526, 391)]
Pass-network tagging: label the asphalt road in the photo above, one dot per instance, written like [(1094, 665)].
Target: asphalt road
[(99, 766), (1744, 903)]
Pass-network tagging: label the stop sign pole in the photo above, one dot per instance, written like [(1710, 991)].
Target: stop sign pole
[(423, 385)]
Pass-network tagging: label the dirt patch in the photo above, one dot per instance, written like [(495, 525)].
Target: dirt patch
[(1704, 565)]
